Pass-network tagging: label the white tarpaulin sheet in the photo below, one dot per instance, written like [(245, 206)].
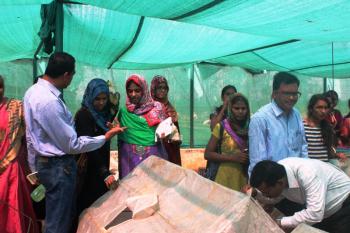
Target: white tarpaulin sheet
[(168, 198)]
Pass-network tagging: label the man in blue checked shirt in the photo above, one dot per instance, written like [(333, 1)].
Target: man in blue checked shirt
[(52, 140)]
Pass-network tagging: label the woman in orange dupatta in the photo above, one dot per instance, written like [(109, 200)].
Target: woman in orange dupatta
[(17, 214)]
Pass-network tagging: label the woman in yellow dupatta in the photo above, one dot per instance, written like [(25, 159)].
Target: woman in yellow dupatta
[(17, 214)]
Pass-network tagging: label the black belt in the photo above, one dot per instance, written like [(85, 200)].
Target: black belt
[(42, 158)]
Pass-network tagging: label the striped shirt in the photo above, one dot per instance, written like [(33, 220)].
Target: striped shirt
[(315, 144)]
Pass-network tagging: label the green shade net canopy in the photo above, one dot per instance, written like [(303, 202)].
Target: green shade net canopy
[(259, 30), (306, 37)]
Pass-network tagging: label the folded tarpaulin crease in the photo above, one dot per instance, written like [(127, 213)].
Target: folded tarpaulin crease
[(143, 206)]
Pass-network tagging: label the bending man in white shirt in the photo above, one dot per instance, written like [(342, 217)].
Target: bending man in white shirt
[(321, 187)]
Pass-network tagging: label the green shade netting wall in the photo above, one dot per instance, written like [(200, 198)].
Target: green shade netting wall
[(208, 82)]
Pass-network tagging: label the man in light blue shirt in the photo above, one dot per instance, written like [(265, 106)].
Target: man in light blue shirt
[(276, 131), (52, 139)]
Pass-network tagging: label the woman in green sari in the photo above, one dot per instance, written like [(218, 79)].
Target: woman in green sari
[(141, 115)]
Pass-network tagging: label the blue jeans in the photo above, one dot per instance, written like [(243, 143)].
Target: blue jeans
[(58, 175)]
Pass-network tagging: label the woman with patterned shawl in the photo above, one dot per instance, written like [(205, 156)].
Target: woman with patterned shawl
[(233, 155), (141, 115), (17, 214), (159, 92), (94, 177)]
